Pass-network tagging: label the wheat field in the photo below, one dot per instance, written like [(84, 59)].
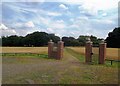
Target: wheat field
[(24, 49), (111, 53)]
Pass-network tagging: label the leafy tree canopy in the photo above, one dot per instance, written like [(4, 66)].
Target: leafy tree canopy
[(113, 39)]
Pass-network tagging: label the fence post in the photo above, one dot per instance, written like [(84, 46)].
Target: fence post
[(60, 49), (88, 51), (102, 52), (50, 48)]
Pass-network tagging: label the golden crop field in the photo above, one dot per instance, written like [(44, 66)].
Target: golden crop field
[(24, 49), (111, 53)]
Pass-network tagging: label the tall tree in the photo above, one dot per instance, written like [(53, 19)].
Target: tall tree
[(36, 39), (70, 41), (113, 39), (82, 40), (13, 40), (54, 38)]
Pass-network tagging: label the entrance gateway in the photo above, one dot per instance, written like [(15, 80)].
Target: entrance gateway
[(88, 52), (56, 52)]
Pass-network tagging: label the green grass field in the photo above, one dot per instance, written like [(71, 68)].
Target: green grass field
[(24, 65)]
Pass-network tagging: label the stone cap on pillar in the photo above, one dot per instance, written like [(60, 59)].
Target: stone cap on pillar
[(60, 41), (88, 40), (102, 41), (50, 41)]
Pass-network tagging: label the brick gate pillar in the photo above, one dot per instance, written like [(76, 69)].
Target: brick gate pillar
[(102, 52), (88, 51), (60, 49), (50, 48)]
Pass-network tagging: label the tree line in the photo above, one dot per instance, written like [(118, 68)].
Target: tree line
[(42, 38)]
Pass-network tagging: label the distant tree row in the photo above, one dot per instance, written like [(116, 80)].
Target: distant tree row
[(33, 39), (42, 38), (80, 41)]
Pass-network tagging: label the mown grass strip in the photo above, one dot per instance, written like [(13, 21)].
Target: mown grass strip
[(24, 55), (76, 54)]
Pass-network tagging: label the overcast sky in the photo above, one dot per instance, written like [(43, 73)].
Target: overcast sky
[(86, 17)]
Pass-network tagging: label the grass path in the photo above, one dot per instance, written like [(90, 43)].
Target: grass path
[(69, 70)]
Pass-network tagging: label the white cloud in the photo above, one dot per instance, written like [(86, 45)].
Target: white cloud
[(103, 21), (104, 14), (98, 4), (84, 26), (35, 0), (57, 32), (93, 6), (74, 26), (83, 18), (18, 24), (60, 21), (71, 19), (24, 1), (42, 20), (29, 24), (8, 32), (50, 30), (58, 35), (21, 25), (63, 6), (77, 25), (3, 27), (5, 31), (59, 24), (53, 14)]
